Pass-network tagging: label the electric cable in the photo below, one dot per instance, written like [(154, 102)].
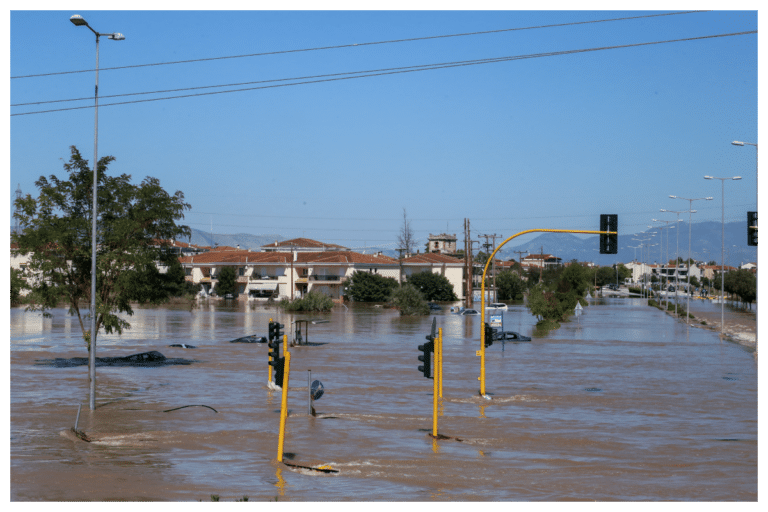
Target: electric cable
[(425, 67), (412, 39)]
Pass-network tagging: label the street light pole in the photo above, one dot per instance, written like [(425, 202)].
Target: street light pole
[(78, 21), (757, 250), (677, 254), (690, 224), (666, 292), (722, 252)]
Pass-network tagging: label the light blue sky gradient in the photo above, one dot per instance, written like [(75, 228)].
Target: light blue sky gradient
[(547, 142)]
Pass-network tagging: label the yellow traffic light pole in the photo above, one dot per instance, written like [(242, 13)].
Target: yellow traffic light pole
[(481, 352), (283, 407)]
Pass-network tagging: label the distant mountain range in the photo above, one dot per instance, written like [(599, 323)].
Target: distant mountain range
[(705, 239), (706, 242), (244, 240)]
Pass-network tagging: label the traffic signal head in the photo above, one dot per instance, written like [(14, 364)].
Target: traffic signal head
[(279, 331), (609, 244), (277, 376), (426, 357), (751, 228), (272, 329), (489, 332)]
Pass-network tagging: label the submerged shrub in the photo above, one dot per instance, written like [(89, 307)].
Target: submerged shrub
[(312, 301)]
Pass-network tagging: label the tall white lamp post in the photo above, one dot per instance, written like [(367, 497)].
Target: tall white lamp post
[(722, 253), (688, 292), (116, 36)]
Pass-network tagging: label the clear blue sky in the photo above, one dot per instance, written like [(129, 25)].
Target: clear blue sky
[(547, 142)]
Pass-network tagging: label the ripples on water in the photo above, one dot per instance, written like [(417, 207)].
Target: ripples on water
[(674, 418)]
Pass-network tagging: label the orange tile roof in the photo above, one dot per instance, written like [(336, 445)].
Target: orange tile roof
[(432, 257), (237, 256), (344, 257)]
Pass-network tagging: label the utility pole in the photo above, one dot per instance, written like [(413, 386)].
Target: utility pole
[(467, 266), (541, 269), (493, 263), (520, 260)]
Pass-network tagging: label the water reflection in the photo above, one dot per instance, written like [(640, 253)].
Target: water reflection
[(668, 392)]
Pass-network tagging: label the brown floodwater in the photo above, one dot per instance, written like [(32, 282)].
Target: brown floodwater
[(623, 403)]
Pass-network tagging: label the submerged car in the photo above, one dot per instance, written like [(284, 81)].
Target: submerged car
[(434, 307), (469, 312), (497, 305), (511, 336)]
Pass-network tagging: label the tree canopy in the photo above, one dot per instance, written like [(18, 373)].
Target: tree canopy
[(369, 287), (742, 283), (226, 277), (434, 287), (409, 301), (510, 285), (135, 224)]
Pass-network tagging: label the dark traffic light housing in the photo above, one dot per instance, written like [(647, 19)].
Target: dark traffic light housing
[(751, 228), (426, 351), (275, 338), (609, 244), (426, 357), (489, 335)]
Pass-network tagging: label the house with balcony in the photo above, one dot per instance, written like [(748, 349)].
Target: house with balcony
[(287, 270)]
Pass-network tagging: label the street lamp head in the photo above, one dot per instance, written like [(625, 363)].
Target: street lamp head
[(737, 143), (117, 36), (708, 198), (708, 177), (673, 197), (736, 178), (78, 20)]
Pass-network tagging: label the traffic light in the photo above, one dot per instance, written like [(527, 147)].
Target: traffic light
[(427, 349), (609, 244), (426, 357), (751, 228), (275, 338), (279, 365), (489, 333)]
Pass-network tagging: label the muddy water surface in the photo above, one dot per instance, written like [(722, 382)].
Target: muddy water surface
[(624, 403)]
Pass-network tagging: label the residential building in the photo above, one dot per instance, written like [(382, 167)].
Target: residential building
[(278, 271), (540, 261), (448, 266)]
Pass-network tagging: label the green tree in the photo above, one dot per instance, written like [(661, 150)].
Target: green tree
[(17, 284), (369, 287), (227, 277), (544, 305), (134, 221), (742, 283), (510, 285), (409, 300), (433, 287), (578, 278), (605, 275)]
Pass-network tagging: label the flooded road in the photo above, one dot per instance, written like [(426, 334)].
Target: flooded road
[(623, 403)]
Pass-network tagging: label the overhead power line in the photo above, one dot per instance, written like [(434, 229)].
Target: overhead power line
[(408, 69), (319, 48)]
